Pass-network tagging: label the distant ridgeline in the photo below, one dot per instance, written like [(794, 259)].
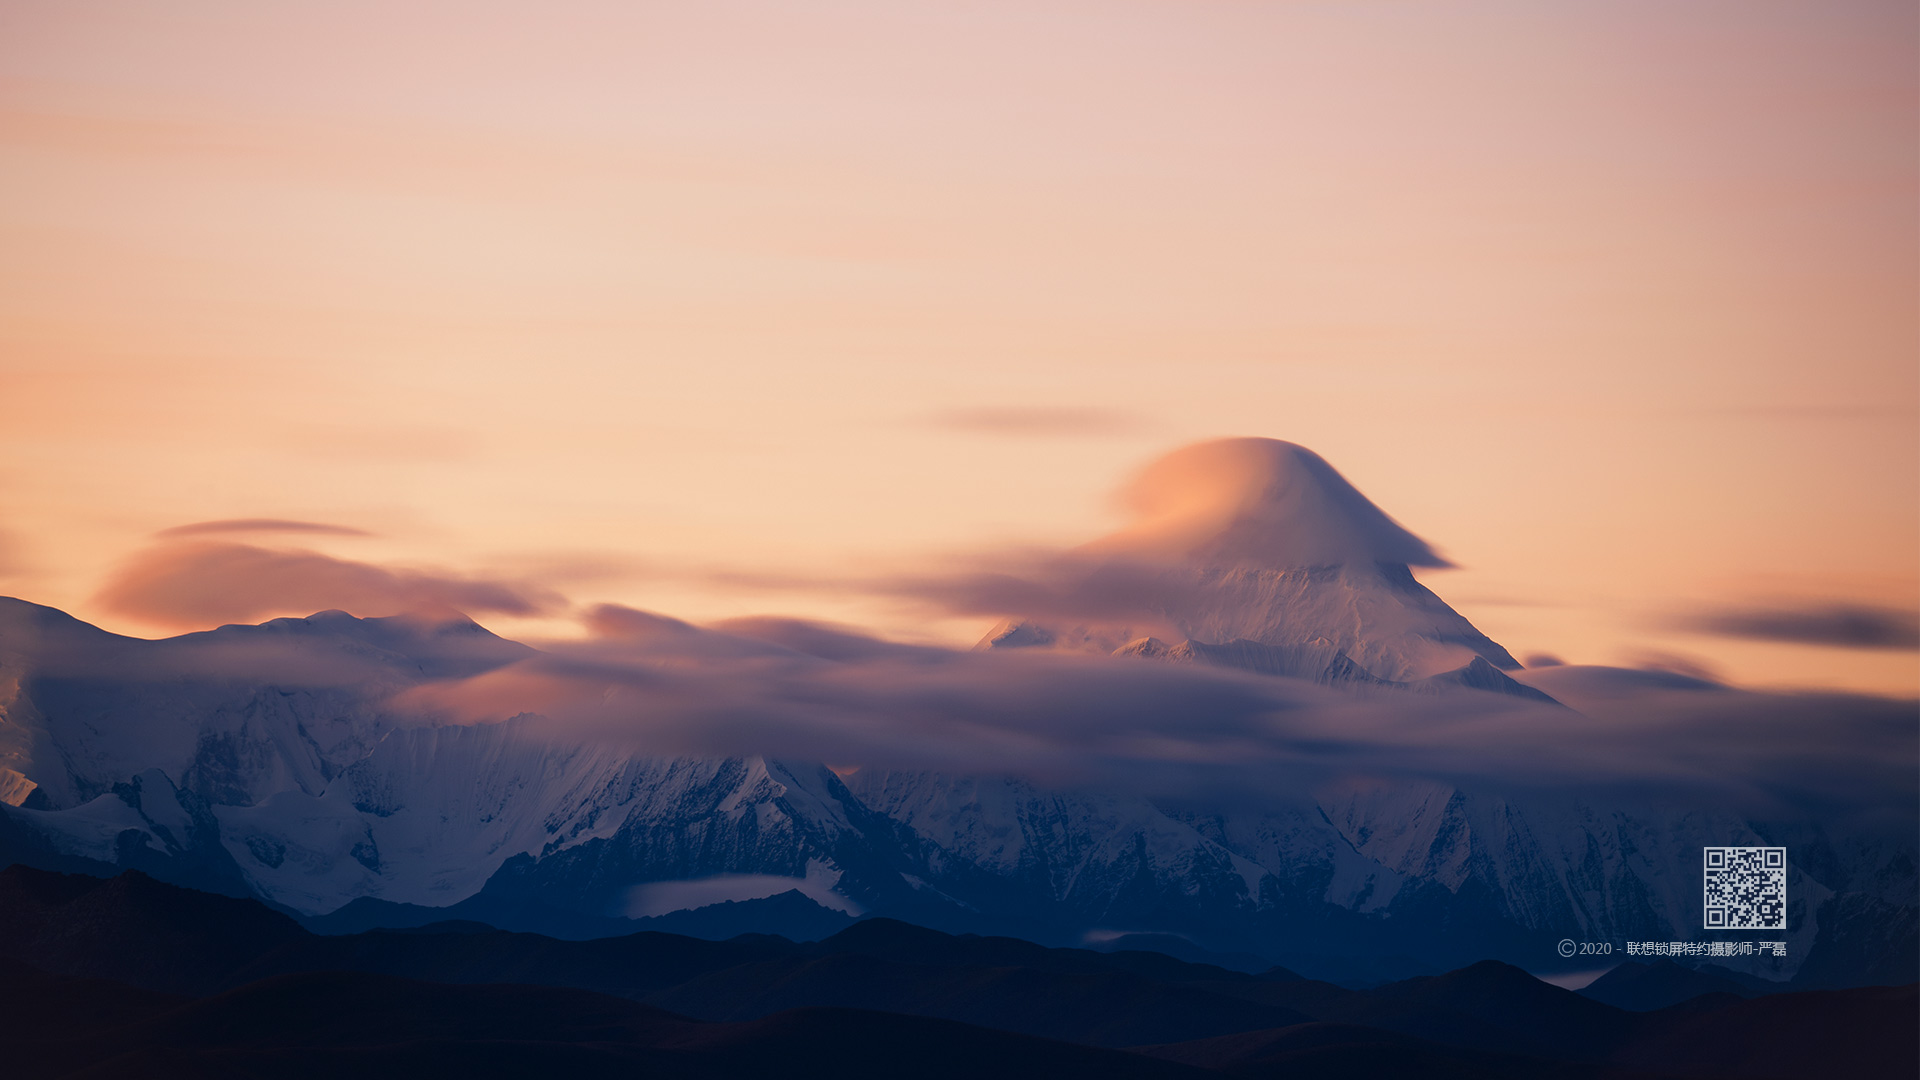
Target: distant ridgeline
[(271, 762), (133, 977)]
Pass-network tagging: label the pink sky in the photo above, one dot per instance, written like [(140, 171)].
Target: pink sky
[(1613, 303)]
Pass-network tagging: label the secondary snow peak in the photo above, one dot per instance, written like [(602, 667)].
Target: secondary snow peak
[(1259, 504)]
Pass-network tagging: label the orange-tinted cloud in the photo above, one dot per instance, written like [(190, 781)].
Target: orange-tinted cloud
[(1259, 503), (259, 525), (207, 583), (1242, 503)]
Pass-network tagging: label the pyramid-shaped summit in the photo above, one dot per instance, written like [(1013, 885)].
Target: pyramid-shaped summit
[(1265, 557), (1258, 504)]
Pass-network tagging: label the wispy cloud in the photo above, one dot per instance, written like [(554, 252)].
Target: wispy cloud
[(1673, 663), (1040, 421), (1050, 584), (259, 525), (1839, 625), (1207, 508), (1808, 411)]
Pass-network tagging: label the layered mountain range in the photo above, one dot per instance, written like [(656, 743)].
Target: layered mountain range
[(130, 976), (292, 762)]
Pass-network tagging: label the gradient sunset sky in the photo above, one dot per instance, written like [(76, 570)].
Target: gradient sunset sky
[(714, 308)]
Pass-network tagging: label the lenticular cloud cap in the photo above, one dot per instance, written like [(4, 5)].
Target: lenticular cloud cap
[(1259, 503)]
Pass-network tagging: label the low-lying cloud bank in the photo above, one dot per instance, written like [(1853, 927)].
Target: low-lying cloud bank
[(652, 685), (794, 689)]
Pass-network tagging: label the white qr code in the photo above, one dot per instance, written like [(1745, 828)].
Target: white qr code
[(1746, 888)]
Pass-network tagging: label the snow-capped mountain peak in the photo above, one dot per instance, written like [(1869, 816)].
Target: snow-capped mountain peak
[(1258, 504), (1258, 542)]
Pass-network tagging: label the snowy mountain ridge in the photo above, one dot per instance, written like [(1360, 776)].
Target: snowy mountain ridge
[(433, 815), (282, 761)]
